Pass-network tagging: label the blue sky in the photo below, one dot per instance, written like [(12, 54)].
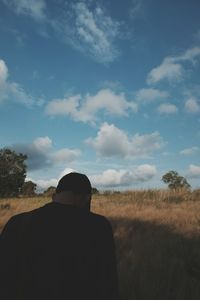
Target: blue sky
[(107, 88)]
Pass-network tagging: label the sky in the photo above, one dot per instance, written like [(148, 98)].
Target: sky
[(106, 88)]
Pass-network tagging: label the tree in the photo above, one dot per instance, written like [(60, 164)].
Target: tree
[(175, 181), (28, 189), (94, 191), (49, 192), (12, 172)]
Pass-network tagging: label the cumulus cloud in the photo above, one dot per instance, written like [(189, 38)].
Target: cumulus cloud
[(147, 95), (167, 108), (90, 30), (190, 151), (86, 108), (41, 154), (193, 171), (32, 8), (120, 178), (10, 90), (112, 141), (192, 106), (171, 68)]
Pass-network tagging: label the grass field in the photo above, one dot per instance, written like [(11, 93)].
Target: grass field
[(157, 236)]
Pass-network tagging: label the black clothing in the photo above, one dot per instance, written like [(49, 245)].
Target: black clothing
[(58, 252)]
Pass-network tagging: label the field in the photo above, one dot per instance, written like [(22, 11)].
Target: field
[(157, 236)]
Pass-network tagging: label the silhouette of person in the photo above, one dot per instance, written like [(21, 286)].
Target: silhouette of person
[(60, 250)]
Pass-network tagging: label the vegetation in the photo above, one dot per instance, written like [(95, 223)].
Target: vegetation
[(94, 191), (175, 181), (28, 189), (157, 239), (49, 192), (12, 172)]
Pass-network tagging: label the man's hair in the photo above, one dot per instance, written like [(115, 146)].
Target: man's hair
[(74, 182)]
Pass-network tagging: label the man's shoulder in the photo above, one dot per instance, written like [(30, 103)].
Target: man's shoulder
[(22, 217), (100, 220)]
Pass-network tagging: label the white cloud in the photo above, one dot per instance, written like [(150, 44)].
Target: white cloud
[(86, 109), (90, 30), (112, 141), (12, 91), (114, 178), (32, 8), (147, 95), (190, 151), (167, 108), (192, 106), (189, 55), (3, 72), (167, 70), (193, 171), (171, 68), (41, 154)]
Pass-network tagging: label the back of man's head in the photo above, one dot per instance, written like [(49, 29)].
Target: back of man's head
[(75, 189), (74, 182)]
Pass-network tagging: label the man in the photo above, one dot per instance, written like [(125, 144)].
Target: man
[(59, 251)]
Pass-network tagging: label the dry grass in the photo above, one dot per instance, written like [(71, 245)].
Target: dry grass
[(157, 236)]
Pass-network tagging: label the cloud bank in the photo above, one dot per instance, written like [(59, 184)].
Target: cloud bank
[(110, 178), (124, 178)]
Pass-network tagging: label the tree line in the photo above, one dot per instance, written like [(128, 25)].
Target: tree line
[(13, 174)]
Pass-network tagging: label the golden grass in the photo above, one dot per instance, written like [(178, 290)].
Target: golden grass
[(157, 235)]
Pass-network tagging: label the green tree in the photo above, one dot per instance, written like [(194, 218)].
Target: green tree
[(12, 172), (175, 181), (28, 189)]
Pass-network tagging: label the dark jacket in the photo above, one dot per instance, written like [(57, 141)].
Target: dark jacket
[(58, 252)]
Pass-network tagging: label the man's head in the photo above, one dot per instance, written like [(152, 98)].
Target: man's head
[(75, 189)]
